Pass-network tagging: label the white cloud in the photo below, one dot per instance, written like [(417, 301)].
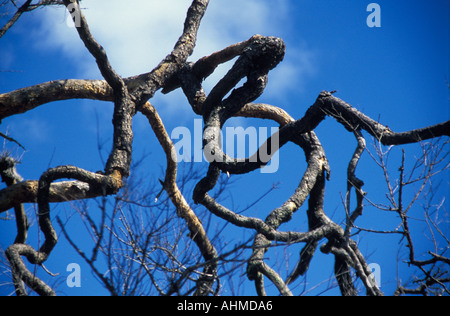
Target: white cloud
[(138, 34), (34, 130)]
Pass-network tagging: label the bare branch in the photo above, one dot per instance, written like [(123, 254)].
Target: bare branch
[(26, 99), (26, 7), (130, 245), (16, 17), (147, 84), (197, 231), (353, 119), (10, 177), (354, 182)]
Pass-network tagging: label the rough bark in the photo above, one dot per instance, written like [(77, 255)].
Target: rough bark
[(256, 57)]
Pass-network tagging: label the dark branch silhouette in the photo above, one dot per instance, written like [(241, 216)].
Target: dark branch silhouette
[(255, 58)]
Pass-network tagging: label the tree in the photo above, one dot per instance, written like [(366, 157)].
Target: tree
[(26, 7), (255, 58)]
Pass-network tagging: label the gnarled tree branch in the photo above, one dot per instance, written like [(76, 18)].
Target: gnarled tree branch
[(256, 57)]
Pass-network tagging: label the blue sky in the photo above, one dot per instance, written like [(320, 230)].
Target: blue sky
[(396, 73)]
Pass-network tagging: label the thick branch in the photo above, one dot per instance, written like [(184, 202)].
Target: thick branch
[(197, 232), (257, 57), (10, 177), (146, 85), (21, 273), (27, 191), (352, 119), (26, 99), (124, 109), (263, 228), (108, 185), (354, 182), (93, 46)]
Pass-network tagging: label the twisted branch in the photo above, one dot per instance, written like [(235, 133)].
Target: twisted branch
[(256, 58)]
